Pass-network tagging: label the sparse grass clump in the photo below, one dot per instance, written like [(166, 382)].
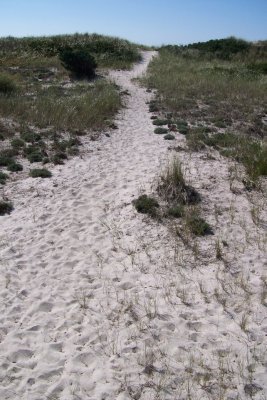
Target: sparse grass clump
[(146, 205), (169, 136), (176, 211), (40, 173), (173, 188), (5, 207)]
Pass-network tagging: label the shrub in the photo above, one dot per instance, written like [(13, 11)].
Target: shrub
[(160, 131), (169, 136), (35, 157), (17, 143), (176, 211), (30, 137), (146, 205), (40, 173), (3, 178), (79, 62), (5, 161), (5, 207), (15, 167), (7, 85), (59, 158), (160, 122), (197, 225)]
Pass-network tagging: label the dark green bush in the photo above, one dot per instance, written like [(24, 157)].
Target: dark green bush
[(40, 173), (35, 157), (5, 207), (5, 161), (30, 137), (7, 85), (160, 122), (59, 158), (198, 226), (146, 205), (14, 167), (160, 131), (169, 136), (17, 143), (79, 62), (3, 178)]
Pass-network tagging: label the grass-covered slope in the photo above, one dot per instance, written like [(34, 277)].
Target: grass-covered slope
[(217, 94)]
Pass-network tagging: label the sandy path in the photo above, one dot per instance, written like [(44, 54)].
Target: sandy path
[(99, 302), (55, 247)]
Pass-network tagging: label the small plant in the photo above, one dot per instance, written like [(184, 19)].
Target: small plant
[(5, 207), (7, 85), (5, 161), (197, 225), (17, 143), (176, 211), (59, 158), (169, 136), (35, 157), (30, 137), (173, 188), (79, 62), (3, 178), (160, 122), (146, 205), (40, 173), (14, 167), (160, 131)]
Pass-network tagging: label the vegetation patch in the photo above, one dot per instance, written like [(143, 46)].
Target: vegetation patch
[(3, 178), (160, 131), (160, 122), (197, 225), (146, 205), (40, 173), (14, 167), (5, 207)]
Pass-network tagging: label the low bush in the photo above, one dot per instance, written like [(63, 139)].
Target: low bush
[(160, 122), (35, 157), (7, 84), (79, 62), (160, 131), (40, 173), (30, 137), (5, 207), (197, 225), (3, 178), (17, 143), (146, 205), (14, 167), (169, 136), (5, 161)]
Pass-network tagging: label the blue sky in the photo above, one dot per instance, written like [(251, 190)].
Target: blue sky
[(143, 21)]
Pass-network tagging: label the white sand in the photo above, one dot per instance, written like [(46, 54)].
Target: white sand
[(98, 302)]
